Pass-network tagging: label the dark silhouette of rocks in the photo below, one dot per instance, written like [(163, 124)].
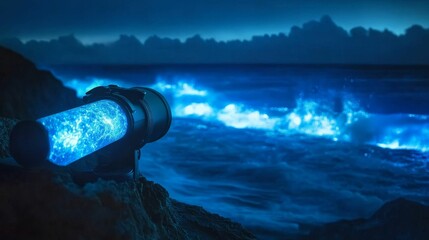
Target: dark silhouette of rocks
[(316, 42), (6, 125), (398, 219), (42, 204), (29, 93), (53, 204)]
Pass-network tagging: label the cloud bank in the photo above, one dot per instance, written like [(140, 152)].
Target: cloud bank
[(316, 42)]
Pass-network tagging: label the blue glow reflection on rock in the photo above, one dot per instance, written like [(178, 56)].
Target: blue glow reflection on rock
[(80, 131)]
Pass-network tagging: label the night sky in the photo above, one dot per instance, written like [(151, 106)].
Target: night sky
[(104, 20)]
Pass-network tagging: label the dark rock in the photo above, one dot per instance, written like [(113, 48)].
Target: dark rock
[(42, 204), (399, 219), (29, 93), (6, 126)]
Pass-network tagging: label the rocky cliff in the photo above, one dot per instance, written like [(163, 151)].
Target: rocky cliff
[(27, 92), (43, 204)]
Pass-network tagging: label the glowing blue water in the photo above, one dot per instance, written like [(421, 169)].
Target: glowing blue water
[(313, 117), (80, 131)]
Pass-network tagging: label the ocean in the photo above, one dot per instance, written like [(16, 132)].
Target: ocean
[(283, 148)]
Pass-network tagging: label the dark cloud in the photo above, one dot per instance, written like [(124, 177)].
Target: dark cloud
[(316, 42), (99, 19)]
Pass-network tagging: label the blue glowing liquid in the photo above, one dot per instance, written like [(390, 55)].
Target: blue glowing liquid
[(80, 131)]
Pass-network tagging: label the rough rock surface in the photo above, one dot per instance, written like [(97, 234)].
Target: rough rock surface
[(400, 219), (29, 93), (51, 204), (43, 204), (6, 126)]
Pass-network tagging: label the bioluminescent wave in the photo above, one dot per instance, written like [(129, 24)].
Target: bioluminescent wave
[(312, 116), (315, 117), (400, 131), (80, 131)]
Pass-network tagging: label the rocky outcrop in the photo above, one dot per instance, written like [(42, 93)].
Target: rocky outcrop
[(6, 126), (57, 204), (27, 92), (43, 204), (399, 219)]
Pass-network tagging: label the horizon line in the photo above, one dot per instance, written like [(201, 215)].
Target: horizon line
[(317, 65)]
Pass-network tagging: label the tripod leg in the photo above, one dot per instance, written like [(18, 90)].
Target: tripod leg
[(136, 172)]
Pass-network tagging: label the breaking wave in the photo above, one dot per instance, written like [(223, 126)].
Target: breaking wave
[(325, 117)]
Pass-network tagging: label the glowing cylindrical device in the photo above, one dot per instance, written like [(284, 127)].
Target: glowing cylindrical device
[(132, 116), (78, 132)]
